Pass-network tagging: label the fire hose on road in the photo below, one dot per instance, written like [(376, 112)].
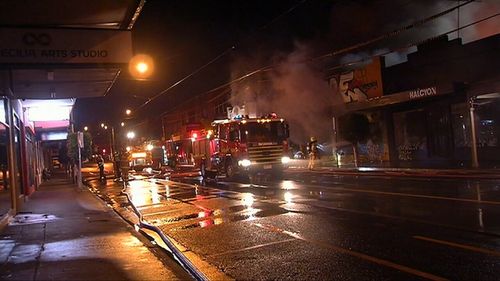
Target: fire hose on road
[(178, 255)]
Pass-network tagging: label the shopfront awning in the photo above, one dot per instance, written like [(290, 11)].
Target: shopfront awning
[(53, 49), (396, 98)]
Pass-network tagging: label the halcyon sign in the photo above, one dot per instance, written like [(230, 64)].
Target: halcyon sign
[(422, 93), (20, 45)]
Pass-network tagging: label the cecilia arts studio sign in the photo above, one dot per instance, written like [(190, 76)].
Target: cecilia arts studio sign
[(27, 46)]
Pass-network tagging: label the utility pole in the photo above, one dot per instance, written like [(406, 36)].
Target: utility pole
[(114, 158), (80, 146), (475, 161)]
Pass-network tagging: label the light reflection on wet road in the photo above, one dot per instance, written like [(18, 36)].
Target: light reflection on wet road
[(331, 227)]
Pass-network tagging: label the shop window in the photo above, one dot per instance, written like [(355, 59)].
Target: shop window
[(488, 123), (461, 125), (17, 154), (438, 122), (5, 204), (30, 158)]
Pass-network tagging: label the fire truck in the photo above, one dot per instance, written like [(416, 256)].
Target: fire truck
[(242, 145), (139, 158), (148, 155)]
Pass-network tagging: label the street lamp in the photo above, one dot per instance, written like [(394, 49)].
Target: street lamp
[(112, 138), (128, 111), (112, 146), (130, 135), (141, 66), (85, 128), (122, 124)]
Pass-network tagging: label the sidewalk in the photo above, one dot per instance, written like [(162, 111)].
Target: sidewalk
[(406, 172), (64, 233), (462, 173)]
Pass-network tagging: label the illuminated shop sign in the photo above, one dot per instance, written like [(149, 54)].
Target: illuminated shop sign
[(422, 93), (30, 45), (3, 116)]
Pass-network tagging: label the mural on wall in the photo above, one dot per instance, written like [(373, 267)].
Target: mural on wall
[(410, 137), (375, 149), (359, 84)]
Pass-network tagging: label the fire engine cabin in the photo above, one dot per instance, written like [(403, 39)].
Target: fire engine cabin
[(140, 159), (242, 145)]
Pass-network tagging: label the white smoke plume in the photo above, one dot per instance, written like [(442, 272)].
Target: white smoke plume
[(303, 96), (301, 93)]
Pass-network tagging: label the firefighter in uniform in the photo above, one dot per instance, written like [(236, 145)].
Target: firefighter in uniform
[(100, 164), (312, 149)]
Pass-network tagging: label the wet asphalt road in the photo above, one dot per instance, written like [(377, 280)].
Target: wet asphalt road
[(318, 226)]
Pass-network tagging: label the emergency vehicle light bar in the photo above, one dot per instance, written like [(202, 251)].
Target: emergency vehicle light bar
[(244, 120)]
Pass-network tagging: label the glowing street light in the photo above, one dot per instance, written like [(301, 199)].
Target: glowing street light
[(85, 128), (105, 127), (130, 135), (122, 124), (128, 111), (102, 125), (141, 66)]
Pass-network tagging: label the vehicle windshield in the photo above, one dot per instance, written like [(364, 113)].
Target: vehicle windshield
[(275, 132)]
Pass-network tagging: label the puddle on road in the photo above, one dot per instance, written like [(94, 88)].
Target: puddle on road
[(247, 214), (250, 206), (231, 214), (25, 219)]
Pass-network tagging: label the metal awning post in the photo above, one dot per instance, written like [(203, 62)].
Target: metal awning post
[(80, 146), (475, 161)]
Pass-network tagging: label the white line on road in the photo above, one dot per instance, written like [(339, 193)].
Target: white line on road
[(253, 247), (383, 262), (407, 194), (457, 245)]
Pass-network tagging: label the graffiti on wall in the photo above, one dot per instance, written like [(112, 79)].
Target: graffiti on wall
[(359, 84)]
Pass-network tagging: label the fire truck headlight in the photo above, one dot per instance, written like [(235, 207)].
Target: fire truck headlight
[(285, 159), (244, 163)]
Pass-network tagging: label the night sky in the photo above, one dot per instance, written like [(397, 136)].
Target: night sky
[(182, 36)]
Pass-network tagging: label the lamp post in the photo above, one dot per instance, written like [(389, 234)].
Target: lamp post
[(112, 146), (475, 162)]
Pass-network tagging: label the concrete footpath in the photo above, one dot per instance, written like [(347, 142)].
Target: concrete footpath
[(67, 233), (404, 172)]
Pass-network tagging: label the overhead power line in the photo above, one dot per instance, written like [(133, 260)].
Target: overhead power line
[(226, 51), (381, 54), (395, 32), (413, 44), (351, 48)]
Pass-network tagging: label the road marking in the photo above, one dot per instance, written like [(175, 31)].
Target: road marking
[(253, 247), (408, 195), (457, 245), (332, 173), (355, 254)]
